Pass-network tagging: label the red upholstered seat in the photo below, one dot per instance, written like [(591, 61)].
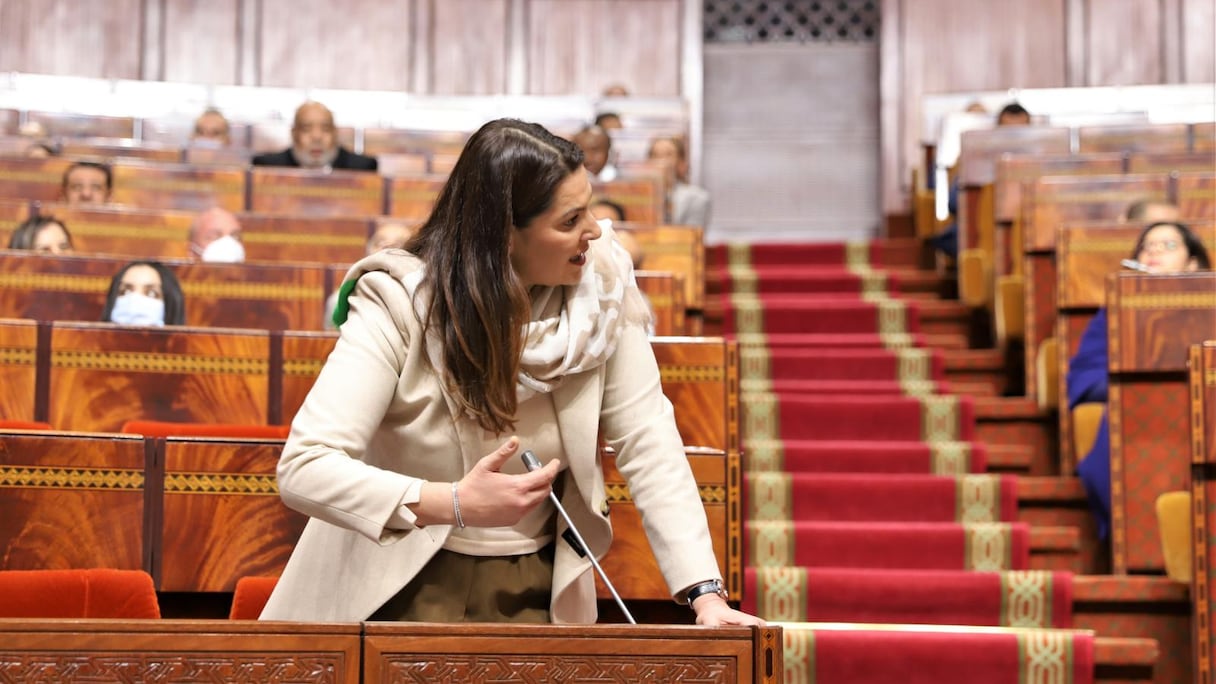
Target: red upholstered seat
[(250, 597), (24, 425), (153, 428), (94, 593)]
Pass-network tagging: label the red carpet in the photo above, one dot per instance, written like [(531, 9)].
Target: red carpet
[(767, 416), (1017, 598), (829, 340), (797, 280), (878, 498), (863, 456), (926, 655), (874, 253), (816, 314), (845, 364), (890, 545)]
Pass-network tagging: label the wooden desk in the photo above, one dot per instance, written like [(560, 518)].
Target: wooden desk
[(1202, 382)]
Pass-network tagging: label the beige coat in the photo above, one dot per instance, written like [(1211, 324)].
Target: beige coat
[(378, 417)]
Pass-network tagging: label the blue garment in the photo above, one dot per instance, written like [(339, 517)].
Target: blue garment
[(1088, 382), (947, 241)]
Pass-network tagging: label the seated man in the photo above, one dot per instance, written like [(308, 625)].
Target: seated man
[(211, 130), (597, 148), (687, 204), (314, 144), (86, 183), (215, 236)]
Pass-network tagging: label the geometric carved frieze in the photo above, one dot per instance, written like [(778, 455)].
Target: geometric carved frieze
[(161, 666), (526, 669)]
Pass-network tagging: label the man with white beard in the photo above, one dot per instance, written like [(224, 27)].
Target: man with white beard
[(314, 144)]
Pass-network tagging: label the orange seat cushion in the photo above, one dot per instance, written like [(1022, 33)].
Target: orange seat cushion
[(23, 425), (250, 597), (94, 593), (153, 428)]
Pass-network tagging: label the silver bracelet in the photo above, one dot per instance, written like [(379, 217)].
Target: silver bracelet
[(456, 505)]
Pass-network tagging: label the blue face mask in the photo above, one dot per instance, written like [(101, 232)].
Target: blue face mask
[(137, 309)]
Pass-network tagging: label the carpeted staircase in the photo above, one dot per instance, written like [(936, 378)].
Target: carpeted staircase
[(865, 494)]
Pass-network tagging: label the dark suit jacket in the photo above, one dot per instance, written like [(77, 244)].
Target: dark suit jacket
[(346, 160)]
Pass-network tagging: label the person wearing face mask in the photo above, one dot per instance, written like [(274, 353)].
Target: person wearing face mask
[(211, 129), (145, 293), (1165, 247), (314, 144), (215, 237), (43, 234)]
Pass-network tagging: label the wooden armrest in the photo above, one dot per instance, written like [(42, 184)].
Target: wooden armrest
[(1048, 389), (975, 278), (1085, 420), (1010, 313)]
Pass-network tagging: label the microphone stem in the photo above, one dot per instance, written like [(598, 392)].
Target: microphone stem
[(591, 557)]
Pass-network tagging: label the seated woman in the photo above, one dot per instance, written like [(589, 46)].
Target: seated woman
[(45, 234), (1163, 248), (145, 293)]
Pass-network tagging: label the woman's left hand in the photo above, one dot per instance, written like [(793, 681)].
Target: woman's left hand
[(713, 611)]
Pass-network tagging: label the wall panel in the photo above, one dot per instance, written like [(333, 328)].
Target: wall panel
[(69, 37), (576, 47), (1123, 38), (1198, 41), (196, 27), (469, 47), (358, 44)]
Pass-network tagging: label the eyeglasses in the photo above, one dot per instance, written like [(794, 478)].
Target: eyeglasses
[(1159, 246)]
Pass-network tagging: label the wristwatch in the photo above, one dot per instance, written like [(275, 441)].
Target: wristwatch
[(710, 587)]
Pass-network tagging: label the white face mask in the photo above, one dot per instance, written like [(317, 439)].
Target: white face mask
[(134, 308), (225, 250), (208, 143)]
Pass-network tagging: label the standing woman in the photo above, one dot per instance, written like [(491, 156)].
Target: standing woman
[(508, 325)]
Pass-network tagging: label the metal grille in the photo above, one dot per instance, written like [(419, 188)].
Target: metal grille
[(794, 21)]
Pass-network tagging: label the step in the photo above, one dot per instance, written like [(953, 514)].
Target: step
[(1018, 421), (943, 317), (1061, 502), (1137, 608), (1128, 661), (1005, 458), (1055, 548), (984, 367)]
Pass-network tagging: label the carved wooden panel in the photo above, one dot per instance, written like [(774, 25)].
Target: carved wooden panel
[(71, 501), (362, 44), (303, 356), (125, 232), (1157, 317), (603, 653), (120, 148), (32, 179), (18, 356), (665, 292), (631, 563), (49, 288), (1197, 195), (1050, 201), (643, 198), (565, 58), (80, 651), (1086, 254), (65, 125), (414, 197), (469, 40), (701, 378), (1165, 162), (1202, 384), (679, 249), (36, 33), (260, 296), (1160, 138), (1014, 170), (102, 376), (304, 238), (12, 213), (223, 518), (189, 24), (163, 186), (981, 149), (300, 191)]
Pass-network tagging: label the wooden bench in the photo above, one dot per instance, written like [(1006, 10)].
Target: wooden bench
[(101, 376), (301, 191), (73, 501), (123, 148), (665, 292), (27, 179), (413, 197), (1167, 138), (178, 186), (375, 653), (1153, 319), (1086, 253), (261, 296), (644, 197), (12, 214), (18, 368), (678, 249), (65, 125), (120, 231)]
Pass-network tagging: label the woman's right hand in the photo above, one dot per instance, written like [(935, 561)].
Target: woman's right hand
[(489, 498)]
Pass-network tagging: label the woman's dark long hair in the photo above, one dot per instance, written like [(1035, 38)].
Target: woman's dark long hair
[(24, 235), (170, 289), (1194, 246), (505, 177)]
